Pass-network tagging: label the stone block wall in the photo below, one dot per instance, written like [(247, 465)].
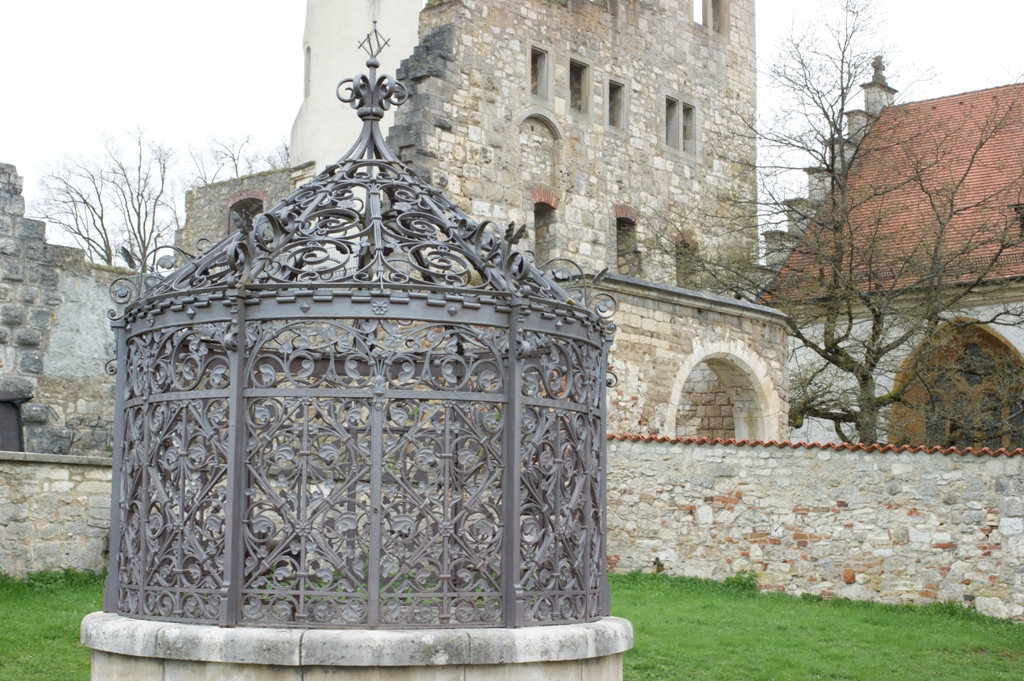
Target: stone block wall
[(474, 127), (873, 523), (55, 337), (208, 207), (679, 354), (54, 512)]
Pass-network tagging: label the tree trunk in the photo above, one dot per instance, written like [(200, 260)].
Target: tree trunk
[(867, 408)]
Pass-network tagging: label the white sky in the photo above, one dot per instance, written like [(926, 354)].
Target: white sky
[(188, 70)]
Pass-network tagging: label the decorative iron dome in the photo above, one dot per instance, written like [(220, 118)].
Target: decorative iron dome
[(361, 409)]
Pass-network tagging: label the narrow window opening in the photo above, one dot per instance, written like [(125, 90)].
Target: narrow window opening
[(544, 219), (672, 122), (689, 129), (539, 73), (685, 263), (716, 16), (1018, 210), (627, 251), (305, 81), (616, 105), (579, 87), (698, 11)]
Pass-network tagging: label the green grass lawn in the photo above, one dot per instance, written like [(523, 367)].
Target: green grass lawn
[(686, 630), (689, 629), (39, 620)]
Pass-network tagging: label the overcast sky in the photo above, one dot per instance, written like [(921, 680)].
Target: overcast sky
[(190, 69)]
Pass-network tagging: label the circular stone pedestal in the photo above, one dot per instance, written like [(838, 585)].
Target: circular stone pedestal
[(142, 650)]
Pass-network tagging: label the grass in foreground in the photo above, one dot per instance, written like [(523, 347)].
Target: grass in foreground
[(686, 630), (39, 624), (695, 630)]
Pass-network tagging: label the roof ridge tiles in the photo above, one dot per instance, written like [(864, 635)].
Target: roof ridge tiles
[(880, 448)]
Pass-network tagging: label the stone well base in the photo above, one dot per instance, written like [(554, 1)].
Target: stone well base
[(140, 650)]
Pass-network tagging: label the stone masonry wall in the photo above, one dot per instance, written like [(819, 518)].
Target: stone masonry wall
[(54, 512), (55, 336), (207, 207), (474, 127), (852, 522), (668, 338)]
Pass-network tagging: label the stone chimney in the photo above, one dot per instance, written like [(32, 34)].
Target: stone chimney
[(877, 93), (819, 185), (778, 244), (799, 215)]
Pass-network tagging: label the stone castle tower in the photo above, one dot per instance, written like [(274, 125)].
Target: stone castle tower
[(595, 123), (333, 30)]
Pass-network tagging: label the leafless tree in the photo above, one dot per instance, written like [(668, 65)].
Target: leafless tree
[(233, 157), (122, 205), (911, 239), (118, 206)]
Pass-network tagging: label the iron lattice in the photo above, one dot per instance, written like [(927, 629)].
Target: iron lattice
[(361, 409)]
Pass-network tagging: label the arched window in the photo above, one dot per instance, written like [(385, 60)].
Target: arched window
[(305, 81), (248, 207), (964, 388), (544, 221)]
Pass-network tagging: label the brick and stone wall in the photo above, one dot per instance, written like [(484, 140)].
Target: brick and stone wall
[(474, 127), (55, 336), (678, 354), (208, 207), (54, 512), (846, 521)]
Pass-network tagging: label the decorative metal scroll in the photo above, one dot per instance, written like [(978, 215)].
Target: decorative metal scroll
[(361, 409)]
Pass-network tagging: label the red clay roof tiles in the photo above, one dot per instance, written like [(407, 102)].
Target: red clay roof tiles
[(934, 178)]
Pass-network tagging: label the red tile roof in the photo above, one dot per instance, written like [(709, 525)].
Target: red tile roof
[(831, 446), (942, 174)]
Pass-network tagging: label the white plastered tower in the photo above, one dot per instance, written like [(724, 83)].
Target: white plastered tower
[(322, 131)]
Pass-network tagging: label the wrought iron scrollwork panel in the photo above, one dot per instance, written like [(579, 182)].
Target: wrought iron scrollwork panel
[(133, 495), (307, 511), (179, 360), (441, 528), (172, 477), (185, 522), (362, 353), (563, 369), (557, 524)]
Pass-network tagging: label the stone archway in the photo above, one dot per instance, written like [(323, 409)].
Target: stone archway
[(724, 390)]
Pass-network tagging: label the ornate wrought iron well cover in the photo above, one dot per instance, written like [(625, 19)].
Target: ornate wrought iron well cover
[(361, 409)]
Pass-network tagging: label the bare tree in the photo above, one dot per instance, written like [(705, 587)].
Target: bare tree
[(233, 157), (118, 206), (910, 238)]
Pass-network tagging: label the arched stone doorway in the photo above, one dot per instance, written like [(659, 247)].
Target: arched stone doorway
[(964, 388), (724, 392)]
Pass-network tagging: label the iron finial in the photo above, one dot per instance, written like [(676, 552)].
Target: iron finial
[(374, 43)]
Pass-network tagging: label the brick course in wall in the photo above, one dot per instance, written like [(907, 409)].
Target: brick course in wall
[(54, 512), (862, 523)]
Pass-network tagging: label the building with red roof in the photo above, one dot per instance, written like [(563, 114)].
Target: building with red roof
[(917, 241)]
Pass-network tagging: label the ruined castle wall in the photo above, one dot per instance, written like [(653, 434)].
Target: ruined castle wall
[(55, 337), (669, 344), (475, 128), (848, 522), (504, 149), (208, 207), (54, 512)]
